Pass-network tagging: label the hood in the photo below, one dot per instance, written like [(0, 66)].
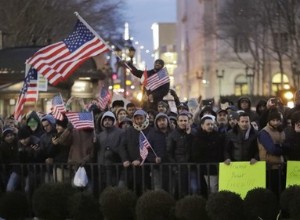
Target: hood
[(243, 98), (160, 115), (108, 114), (50, 119)]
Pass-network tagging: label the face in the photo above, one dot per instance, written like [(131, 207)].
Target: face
[(173, 124), (59, 129), (125, 125), (157, 65), (25, 141), (275, 123), (232, 122), (162, 123), (180, 109), (182, 121), (139, 119), (122, 115), (108, 122), (297, 127), (9, 138), (222, 118), (244, 104), (33, 124), (208, 125), (47, 126), (161, 108), (244, 123), (131, 111)]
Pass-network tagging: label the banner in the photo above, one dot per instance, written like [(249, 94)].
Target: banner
[(293, 173), (240, 177)]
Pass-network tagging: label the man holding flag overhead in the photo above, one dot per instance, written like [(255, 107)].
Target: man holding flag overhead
[(156, 82)]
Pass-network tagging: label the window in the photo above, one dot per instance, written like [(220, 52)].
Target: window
[(240, 44), (280, 41), (240, 85)]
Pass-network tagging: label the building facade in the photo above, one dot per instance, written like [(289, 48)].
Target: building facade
[(224, 49)]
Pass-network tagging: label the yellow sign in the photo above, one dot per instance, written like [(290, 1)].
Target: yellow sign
[(293, 173), (240, 177)]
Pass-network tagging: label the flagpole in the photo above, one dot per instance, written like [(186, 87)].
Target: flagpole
[(150, 144), (97, 35), (94, 131)]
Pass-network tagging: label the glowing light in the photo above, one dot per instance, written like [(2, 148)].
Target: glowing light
[(139, 96), (288, 95)]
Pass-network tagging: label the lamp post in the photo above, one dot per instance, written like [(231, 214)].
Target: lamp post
[(250, 76), (127, 50), (296, 74), (220, 76)]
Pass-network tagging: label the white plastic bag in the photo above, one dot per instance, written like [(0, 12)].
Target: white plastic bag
[(80, 178)]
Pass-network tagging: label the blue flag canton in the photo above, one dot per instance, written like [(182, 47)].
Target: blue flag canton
[(85, 116), (31, 75), (79, 36), (57, 100), (103, 92)]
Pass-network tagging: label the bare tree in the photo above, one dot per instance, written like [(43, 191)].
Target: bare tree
[(26, 21), (267, 29)]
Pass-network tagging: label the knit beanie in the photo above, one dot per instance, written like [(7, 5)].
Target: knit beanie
[(7, 131), (274, 114), (63, 123), (24, 132)]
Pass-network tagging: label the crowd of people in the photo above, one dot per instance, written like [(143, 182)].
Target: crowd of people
[(226, 133)]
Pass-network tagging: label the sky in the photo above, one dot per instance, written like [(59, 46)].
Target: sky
[(141, 14)]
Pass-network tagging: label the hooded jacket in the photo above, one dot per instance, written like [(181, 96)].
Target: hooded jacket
[(108, 141)]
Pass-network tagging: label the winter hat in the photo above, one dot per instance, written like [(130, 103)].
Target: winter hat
[(125, 120), (295, 118), (274, 114), (50, 119), (7, 131), (24, 132), (140, 112), (183, 105), (160, 61), (110, 115), (63, 123), (164, 104)]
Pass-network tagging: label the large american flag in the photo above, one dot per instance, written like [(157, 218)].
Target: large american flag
[(58, 61), (144, 146), (28, 93), (58, 107), (158, 79), (103, 98), (81, 120)]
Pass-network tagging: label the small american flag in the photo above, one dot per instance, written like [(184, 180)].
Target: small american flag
[(103, 98), (158, 79), (58, 107), (81, 120), (58, 61), (144, 146), (28, 93)]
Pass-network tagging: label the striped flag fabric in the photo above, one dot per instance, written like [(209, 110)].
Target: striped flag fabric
[(144, 78), (58, 107), (59, 60), (103, 98), (81, 120), (28, 93), (144, 146), (158, 79)]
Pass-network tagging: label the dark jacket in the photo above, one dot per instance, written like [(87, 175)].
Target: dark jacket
[(179, 146), (129, 148), (158, 93), (237, 148), (291, 145), (108, 142), (27, 154)]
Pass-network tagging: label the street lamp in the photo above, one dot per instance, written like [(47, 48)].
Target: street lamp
[(250, 76), (220, 76), (129, 51)]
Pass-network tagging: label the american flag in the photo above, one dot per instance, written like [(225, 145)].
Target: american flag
[(58, 107), (28, 93), (58, 61), (158, 79), (144, 146), (144, 78), (81, 120), (103, 98)]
